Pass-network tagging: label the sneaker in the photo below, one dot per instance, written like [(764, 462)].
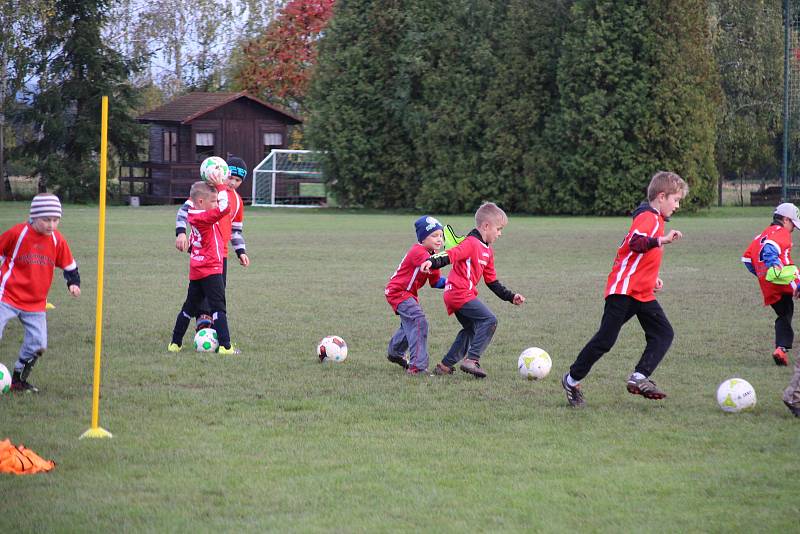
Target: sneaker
[(411, 370), (472, 367), (780, 356), (399, 360), (644, 387), (231, 351), (574, 395), (174, 347), (23, 386), (442, 369), (794, 409)]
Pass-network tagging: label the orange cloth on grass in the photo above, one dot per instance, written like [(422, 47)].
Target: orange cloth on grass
[(21, 461)]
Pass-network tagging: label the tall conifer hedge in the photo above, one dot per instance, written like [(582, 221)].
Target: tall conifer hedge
[(545, 106)]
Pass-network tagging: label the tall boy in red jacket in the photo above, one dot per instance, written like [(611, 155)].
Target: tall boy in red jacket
[(472, 259), (205, 263), (630, 290)]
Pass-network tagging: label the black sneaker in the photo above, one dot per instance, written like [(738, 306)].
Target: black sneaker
[(574, 395), (399, 360), (23, 386), (472, 367), (644, 387)]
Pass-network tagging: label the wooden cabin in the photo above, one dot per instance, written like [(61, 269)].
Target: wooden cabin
[(194, 126)]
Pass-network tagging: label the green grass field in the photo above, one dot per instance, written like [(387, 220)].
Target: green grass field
[(273, 440)]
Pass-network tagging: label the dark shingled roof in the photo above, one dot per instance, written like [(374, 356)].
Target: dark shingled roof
[(193, 105)]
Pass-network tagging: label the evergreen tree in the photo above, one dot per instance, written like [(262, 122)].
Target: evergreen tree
[(637, 95), (65, 109), (359, 98)]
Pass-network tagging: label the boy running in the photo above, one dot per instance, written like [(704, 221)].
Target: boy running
[(630, 290)]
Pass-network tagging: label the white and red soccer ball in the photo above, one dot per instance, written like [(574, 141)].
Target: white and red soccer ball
[(332, 349)]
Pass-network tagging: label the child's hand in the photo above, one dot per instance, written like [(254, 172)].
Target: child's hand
[(671, 237), (518, 300), (74, 290), (426, 266), (182, 242), (244, 260), (659, 285), (216, 178)]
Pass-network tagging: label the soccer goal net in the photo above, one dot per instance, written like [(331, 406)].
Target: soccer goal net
[(289, 178)]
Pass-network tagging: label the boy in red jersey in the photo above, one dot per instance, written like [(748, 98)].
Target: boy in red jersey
[(630, 290), (231, 227), (29, 252), (401, 294), (472, 259), (768, 258), (206, 263)]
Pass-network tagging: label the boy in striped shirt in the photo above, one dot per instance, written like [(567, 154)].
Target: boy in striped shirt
[(630, 290), (210, 201), (29, 253), (231, 228)]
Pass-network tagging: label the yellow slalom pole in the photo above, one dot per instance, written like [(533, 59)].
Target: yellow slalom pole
[(95, 431)]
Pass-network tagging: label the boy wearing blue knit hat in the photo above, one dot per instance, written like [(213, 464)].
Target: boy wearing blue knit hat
[(401, 294)]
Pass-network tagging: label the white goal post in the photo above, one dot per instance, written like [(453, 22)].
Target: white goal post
[(289, 178)]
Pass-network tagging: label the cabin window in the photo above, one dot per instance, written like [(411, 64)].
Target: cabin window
[(272, 140), (170, 146), (203, 145)]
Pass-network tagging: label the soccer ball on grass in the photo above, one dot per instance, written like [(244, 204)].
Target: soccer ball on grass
[(534, 363), (205, 340), (214, 166), (5, 379), (735, 395), (332, 349)]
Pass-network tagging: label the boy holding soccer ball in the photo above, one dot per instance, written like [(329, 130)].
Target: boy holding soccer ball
[(402, 295), (29, 252), (630, 290), (210, 205), (231, 227), (769, 259), (472, 259)]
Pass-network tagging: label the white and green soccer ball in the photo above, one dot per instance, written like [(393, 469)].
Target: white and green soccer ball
[(214, 166), (205, 340), (332, 349), (534, 363), (5, 379), (735, 395)]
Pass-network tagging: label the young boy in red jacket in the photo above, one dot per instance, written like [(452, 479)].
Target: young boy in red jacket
[(472, 259), (630, 290), (29, 252), (769, 258), (402, 295), (205, 263)]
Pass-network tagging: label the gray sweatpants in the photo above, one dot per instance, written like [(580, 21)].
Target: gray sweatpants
[(34, 342), (791, 395), (412, 336)]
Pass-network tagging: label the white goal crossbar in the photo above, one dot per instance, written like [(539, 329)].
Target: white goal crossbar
[(289, 178)]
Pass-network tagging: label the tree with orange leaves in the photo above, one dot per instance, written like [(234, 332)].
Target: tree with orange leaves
[(278, 65)]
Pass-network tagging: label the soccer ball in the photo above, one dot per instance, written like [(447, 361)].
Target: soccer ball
[(735, 395), (534, 363), (205, 340), (5, 379), (332, 349), (214, 166)]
